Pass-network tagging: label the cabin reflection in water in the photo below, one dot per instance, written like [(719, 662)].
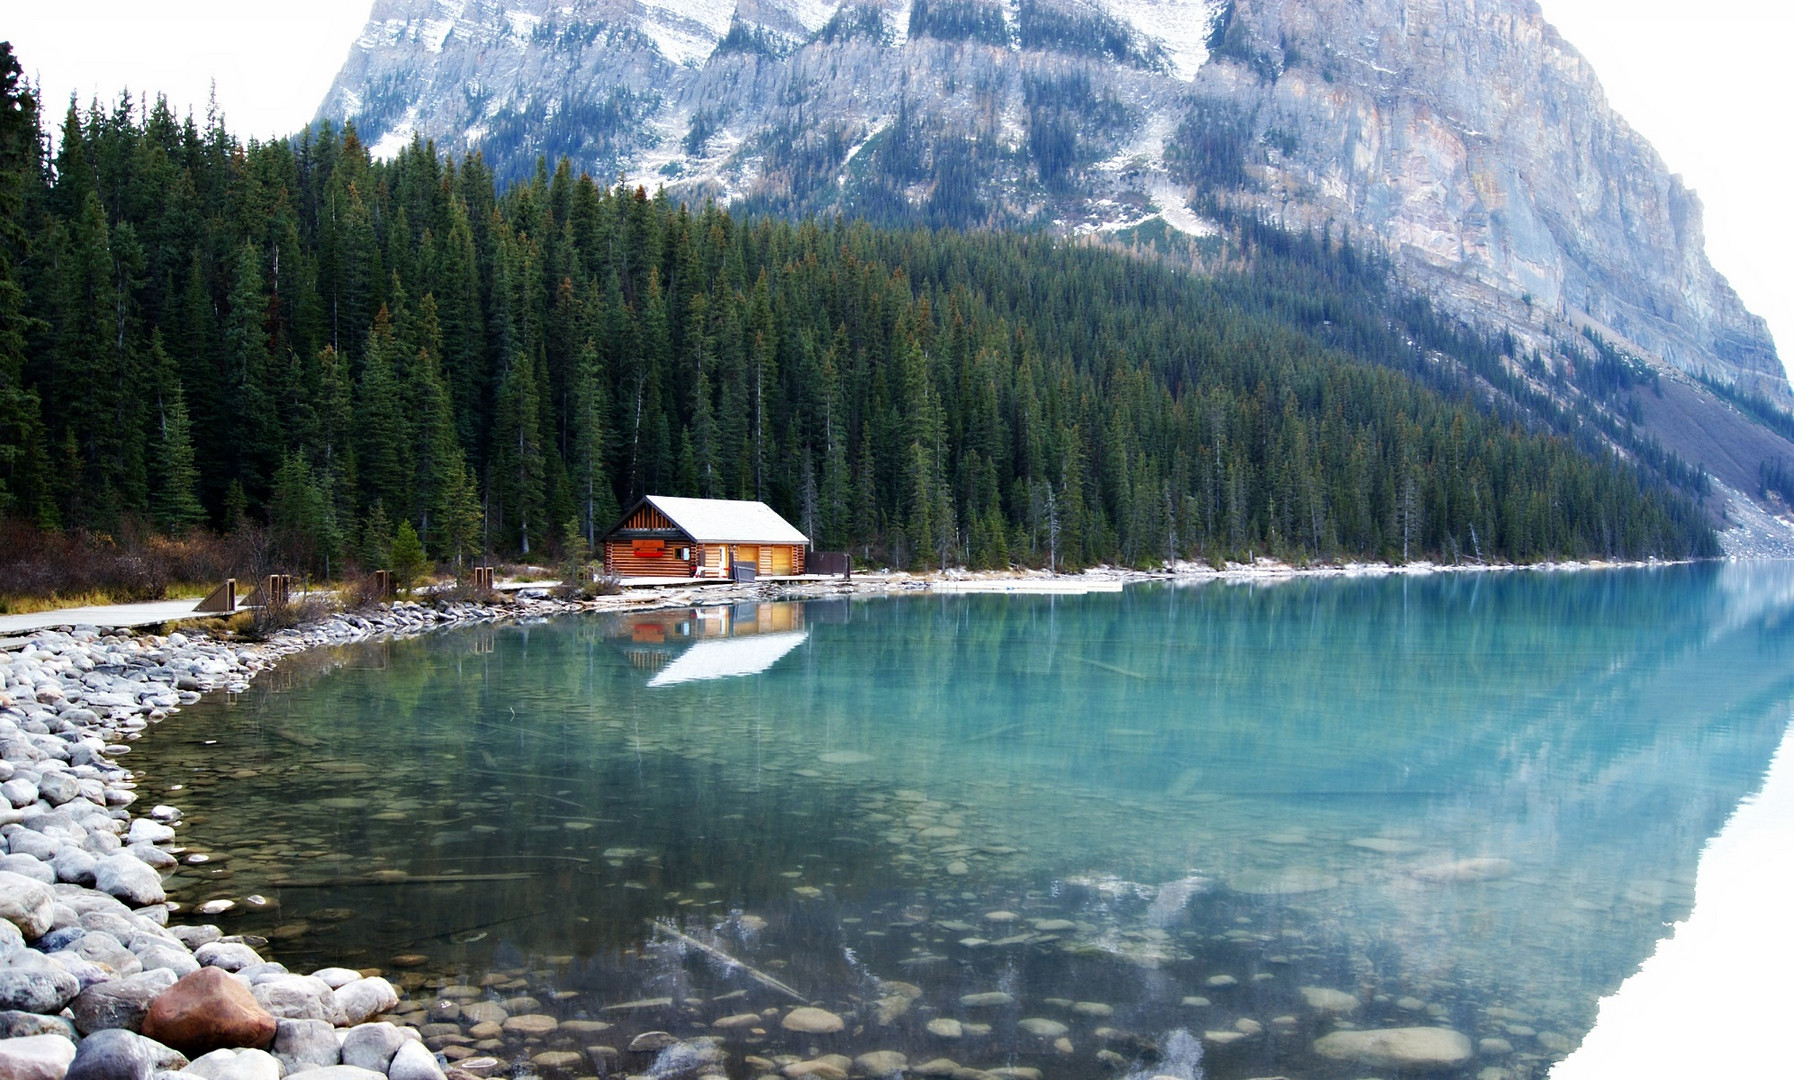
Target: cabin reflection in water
[(693, 644)]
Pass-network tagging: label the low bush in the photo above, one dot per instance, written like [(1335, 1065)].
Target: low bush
[(40, 569)]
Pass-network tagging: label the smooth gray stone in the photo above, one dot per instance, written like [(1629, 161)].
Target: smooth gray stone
[(102, 948), (341, 1072), (298, 997), (102, 843), (130, 879), (60, 939), (114, 923), (35, 1057), (57, 788), (306, 1044), (235, 1065), (113, 1055), (152, 856), (264, 971), (120, 1003), (366, 997), (195, 936), (371, 1046), (17, 1025), (35, 844), (84, 901), (74, 865), (45, 989), (28, 866), (85, 971), (166, 956), (229, 955), (413, 1062)]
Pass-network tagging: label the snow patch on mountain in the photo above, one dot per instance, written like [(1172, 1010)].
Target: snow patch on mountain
[(1177, 212), (1181, 27), (813, 15), (397, 137), (687, 31)]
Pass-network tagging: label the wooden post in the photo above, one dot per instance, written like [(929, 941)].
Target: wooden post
[(482, 578), (220, 601), (383, 583)]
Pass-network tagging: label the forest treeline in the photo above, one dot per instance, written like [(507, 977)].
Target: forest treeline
[(200, 332)]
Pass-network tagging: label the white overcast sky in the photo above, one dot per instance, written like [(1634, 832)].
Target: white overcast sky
[(1706, 82)]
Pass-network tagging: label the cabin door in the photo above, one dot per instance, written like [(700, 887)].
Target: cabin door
[(747, 555), (781, 561)]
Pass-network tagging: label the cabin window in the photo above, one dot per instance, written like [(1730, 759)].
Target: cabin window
[(649, 549)]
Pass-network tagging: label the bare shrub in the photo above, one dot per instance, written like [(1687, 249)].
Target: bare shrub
[(362, 592), (277, 615)]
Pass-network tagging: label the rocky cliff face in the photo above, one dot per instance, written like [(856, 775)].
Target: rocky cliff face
[(1463, 137)]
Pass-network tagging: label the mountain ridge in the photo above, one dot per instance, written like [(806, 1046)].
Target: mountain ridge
[(1465, 138)]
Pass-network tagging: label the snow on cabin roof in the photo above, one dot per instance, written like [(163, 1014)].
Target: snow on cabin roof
[(727, 521)]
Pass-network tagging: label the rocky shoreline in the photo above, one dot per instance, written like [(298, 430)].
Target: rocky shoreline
[(94, 985)]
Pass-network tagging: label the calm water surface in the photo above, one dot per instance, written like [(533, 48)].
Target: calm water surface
[(1466, 801)]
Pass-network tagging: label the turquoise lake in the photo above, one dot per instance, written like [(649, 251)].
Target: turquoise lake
[(1154, 825)]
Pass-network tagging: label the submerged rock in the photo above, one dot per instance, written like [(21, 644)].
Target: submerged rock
[(1289, 881), (1332, 1002), (1466, 870), (1397, 1048), (812, 1021), (882, 1063)]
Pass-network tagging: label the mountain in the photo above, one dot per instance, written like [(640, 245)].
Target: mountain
[(1464, 142), (1464, 137)]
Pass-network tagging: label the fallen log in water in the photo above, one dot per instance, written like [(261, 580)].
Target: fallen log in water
[(409, 879), (725, 959)]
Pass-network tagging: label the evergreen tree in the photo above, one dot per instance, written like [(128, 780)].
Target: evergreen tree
[(518, 479), (175, 477), (21, 435), (407, 557), (407, 343)]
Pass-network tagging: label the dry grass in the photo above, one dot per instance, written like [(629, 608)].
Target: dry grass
[(16, 604), (42, 571)]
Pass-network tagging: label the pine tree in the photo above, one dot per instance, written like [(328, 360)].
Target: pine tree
[(383, 437), (588, 430), (21, 435), (518, 482), (175, 478), (302, 523), (250, 409), (407, 556)]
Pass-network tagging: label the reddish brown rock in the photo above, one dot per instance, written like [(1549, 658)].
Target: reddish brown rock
[(208, 1010)]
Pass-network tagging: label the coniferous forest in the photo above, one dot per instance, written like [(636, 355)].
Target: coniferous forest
[(199, 333)]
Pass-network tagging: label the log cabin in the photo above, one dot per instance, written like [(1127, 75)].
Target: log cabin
[(665, 537)]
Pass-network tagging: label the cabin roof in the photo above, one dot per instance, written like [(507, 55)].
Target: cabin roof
[(726, 521)]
